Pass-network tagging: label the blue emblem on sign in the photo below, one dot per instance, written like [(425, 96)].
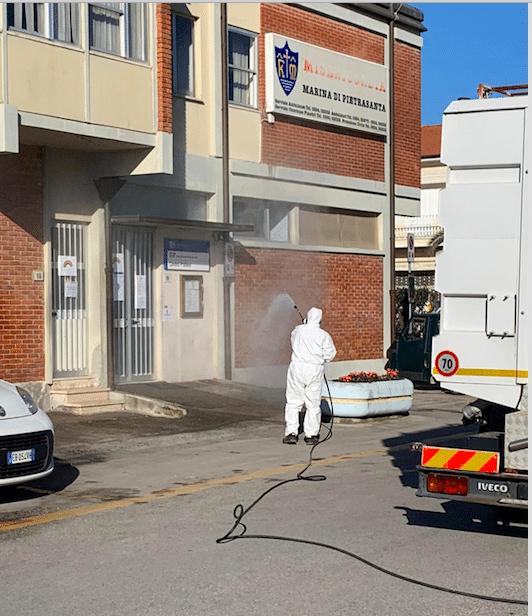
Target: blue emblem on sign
[(286, 66)]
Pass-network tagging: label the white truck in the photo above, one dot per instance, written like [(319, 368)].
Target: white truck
[(481, 273)]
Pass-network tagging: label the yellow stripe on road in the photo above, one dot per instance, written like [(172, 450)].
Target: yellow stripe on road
[(179, 491)]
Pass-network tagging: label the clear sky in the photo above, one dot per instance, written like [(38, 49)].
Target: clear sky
[(467, 44)]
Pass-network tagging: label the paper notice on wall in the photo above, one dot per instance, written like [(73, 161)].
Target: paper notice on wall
[(71, 288), (229, 265), (118, 262), (67, 265), (140, 292), (118, 287), (192, 296), (167, 315)]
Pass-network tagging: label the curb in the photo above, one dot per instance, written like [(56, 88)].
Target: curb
[(151, 406)]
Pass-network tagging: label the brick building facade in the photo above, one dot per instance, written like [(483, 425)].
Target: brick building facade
[(349, 285), (161, 146), (22, 254)]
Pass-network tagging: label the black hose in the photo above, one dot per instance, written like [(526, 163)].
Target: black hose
[(387, 571), (239, 512)]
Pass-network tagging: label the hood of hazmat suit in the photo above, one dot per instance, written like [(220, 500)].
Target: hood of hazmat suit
[(310, 343)]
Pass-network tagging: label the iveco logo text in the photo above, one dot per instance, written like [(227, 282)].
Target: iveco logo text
[(492, 487)]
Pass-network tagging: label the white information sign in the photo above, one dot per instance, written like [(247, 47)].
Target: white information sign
[(118, 262), (140, 292), (316, 84), (118, 287), (67, 265), (71, 288)]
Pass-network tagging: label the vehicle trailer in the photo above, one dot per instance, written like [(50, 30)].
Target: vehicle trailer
[(481, 274), (410, 354)]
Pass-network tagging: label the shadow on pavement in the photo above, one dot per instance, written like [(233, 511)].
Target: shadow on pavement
[(406, 460), (469, 517), (63, 475)]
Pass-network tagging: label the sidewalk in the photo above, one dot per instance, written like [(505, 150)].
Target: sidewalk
[(207, 405)]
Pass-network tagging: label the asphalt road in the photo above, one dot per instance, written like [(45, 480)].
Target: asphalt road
[(128, 523)]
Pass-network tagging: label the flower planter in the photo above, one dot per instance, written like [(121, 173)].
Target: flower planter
[(367, 399)]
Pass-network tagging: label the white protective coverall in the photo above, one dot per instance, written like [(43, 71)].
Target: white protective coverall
[(311, 347)]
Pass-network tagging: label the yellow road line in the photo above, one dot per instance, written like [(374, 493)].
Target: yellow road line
[(179, 491)]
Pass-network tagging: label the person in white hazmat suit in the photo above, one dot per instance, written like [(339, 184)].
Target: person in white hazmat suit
[(311, 348)]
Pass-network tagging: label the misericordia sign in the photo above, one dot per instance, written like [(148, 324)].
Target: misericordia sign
[(319, 85)]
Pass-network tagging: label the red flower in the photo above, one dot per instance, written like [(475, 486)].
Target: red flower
[(369, 377)]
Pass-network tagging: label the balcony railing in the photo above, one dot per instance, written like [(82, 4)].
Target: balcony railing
[(425, 230)]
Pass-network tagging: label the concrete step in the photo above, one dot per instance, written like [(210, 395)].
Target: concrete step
[(92, 409), (86, 382), (65, 397), (84, 400)]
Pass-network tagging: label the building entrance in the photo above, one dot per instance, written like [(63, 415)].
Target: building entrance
[(133, 323)]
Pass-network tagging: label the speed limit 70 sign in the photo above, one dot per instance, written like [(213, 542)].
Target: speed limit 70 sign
[(446, 363)]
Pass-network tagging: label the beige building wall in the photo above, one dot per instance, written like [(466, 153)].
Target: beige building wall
[(121, 93), (244, 123), (54, 77), (75, 83), (244, 134), (245, 15), (187, 348), (200, 112)]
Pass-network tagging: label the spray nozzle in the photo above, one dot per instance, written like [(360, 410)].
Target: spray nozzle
[(302, 319)]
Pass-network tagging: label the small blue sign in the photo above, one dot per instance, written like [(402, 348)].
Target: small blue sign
[(286, 67), (186, 255)]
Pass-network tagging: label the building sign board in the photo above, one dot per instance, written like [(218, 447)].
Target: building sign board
[(319, 85), (186, 255)]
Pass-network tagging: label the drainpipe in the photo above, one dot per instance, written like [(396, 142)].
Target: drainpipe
[(109, 297), (391, 61), (225, 186)]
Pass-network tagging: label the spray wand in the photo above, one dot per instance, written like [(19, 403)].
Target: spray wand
[(302, 319)]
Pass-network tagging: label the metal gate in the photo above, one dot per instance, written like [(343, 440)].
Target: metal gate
[(69, 297), (132, 305)]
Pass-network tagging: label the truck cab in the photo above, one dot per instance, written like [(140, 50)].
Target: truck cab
[(410, 354)]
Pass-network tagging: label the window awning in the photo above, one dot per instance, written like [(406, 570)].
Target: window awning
[(148, 221)]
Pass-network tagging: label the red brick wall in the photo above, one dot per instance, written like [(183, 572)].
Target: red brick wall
[(21, 252), (164, 67), (348, 288), (407, 84), (314, 147)]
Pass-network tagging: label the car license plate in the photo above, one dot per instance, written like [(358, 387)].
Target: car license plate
[(16, 457)]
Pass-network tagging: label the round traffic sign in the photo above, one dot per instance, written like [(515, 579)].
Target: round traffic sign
[(446, 363)]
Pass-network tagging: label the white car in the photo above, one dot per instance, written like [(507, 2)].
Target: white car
[(26, 437)]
